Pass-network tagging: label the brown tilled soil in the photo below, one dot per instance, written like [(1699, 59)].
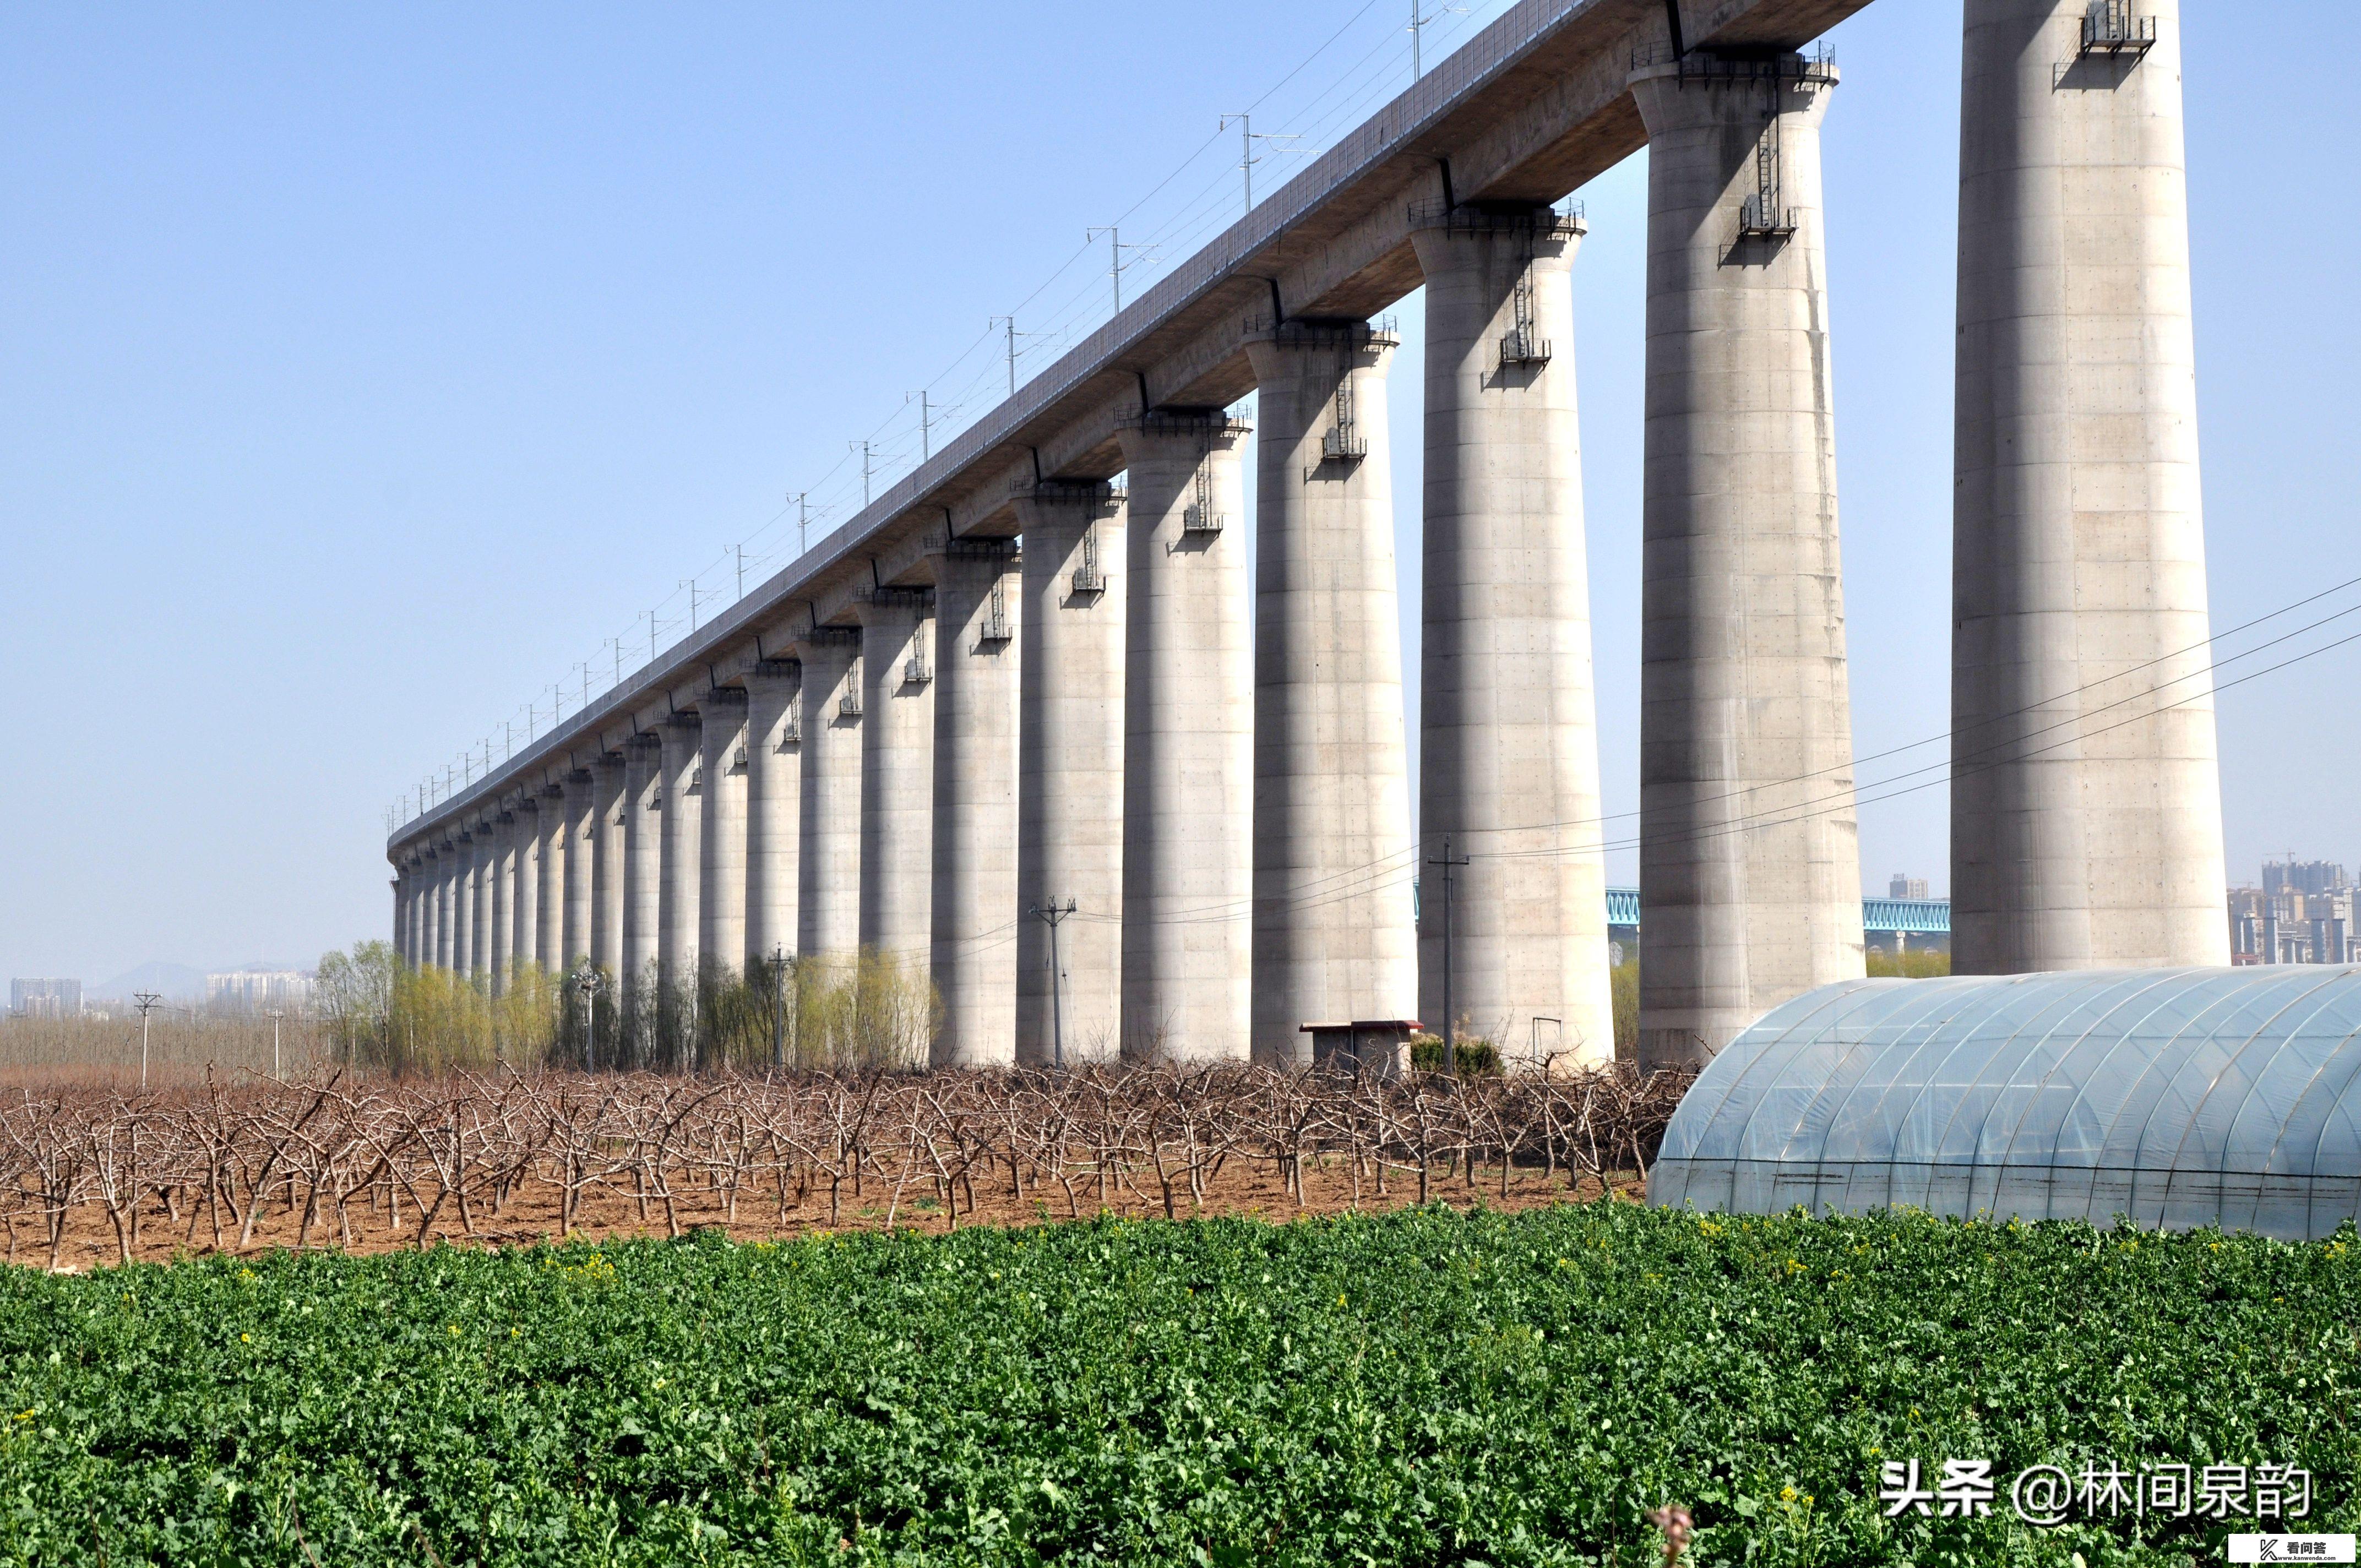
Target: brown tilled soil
[(1240, 1188)]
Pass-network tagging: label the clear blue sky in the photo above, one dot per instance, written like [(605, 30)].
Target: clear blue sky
[(364, 369)]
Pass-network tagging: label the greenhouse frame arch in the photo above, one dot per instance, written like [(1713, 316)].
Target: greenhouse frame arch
[(2176, 1098)]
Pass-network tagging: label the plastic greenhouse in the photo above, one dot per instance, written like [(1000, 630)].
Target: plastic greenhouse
[(2179, 1098)]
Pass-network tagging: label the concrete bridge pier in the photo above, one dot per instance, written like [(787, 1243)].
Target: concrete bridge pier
[(1509, 722), (483, 872), (1333, 936), (721, 832), (897, 777), (1188, 764), (1749, 869), (611, 802), (405, 909), (642, 853), (502, 933), (774, 807), (1069, 781), (450, 948), (578, 887), (549, 893), (679, 860), (524, 897), (978, 607), (2086, 811), (829, 896)]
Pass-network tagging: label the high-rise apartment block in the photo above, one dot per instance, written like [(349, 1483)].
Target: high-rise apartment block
[(45, 998), (2301, 914)]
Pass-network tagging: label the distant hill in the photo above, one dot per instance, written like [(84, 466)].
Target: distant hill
[(177, 982)]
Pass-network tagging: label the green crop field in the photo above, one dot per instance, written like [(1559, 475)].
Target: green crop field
[(1427, 1387)]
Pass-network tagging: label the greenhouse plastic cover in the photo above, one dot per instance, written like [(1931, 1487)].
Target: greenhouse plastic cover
[(2179, 1097)]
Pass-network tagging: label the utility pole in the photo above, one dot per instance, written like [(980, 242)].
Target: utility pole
[(1010, 322), (864, 474), (803, 524), (926, 422), (1050, 914), (652, 637), (741, 570), (146, 1001), (1418, 21), (274, 1015), (1247, 137), (587, 982), (778, 1008), (617, 643), (690, 583), (1115, 263), (1450, 1020)]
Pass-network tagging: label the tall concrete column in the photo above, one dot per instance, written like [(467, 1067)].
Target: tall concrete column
[(977, 611), (611, 798), (1750, 863), (642, 858), (524, 903), (483, 872), (721, 829), (775, 781), (1509, 724), (431, 910), (581, 821), (1335, 938), (398, 885), (549, 893), (1188, 743), (2086, 811), (1069, 781), (450, 952), (413, 949), (430, 876), (502, 870), (897, 776), (828, 868), (405, 908), (681, 859)]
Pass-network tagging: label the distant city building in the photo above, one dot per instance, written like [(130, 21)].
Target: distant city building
[(257, 991), (2304, 876), (2301, 914), (45, 998), (1906, 886)]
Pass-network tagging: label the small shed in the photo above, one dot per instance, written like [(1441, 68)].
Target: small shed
[(1368, 1044)]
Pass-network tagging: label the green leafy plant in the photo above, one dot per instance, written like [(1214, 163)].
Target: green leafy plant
[(1428, 1387)]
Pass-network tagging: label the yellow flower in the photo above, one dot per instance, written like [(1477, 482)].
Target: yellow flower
[(245, 1339)]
